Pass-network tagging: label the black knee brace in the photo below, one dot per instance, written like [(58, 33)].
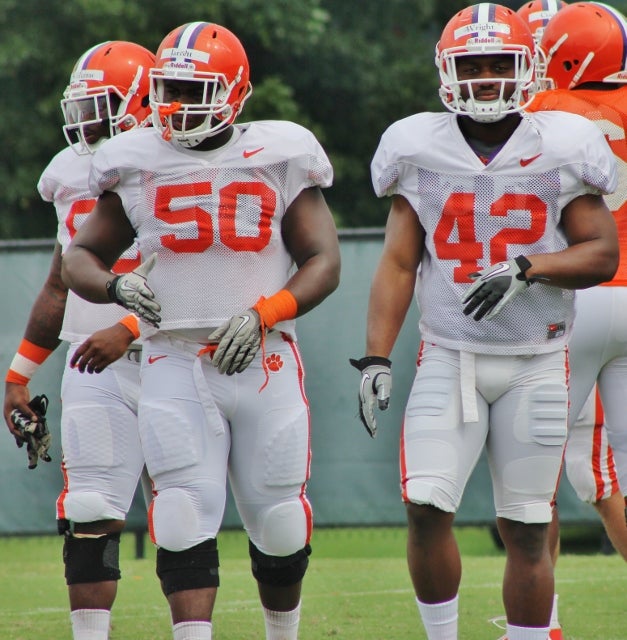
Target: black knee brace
[(92, 559), (279, 571), (195, 568)]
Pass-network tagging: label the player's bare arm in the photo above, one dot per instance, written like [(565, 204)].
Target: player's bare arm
[(87, 263), (42, 329), (395, 278), (310, 236), (593, 254)]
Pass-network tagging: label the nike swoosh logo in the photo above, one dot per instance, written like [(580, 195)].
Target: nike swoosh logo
[(525, 161), (153, 359), (248, 154), (500, 269), (245, 320)]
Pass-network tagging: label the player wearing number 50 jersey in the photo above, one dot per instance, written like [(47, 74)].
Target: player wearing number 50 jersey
[(241, 242), (498, 217)]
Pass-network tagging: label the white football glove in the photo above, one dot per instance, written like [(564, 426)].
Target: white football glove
[(495, 286), (238, 341), (375, 387), (131, 291)]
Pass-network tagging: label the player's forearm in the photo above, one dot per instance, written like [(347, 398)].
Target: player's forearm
[(314, 281), (390, 297), (580, 266), (46, 318), (86, 274)]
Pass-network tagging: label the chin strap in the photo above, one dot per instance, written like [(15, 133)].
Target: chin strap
[(164, 113)]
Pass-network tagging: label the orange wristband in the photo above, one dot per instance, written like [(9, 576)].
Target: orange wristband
[(131, 323), (25, 362), (281, 306)]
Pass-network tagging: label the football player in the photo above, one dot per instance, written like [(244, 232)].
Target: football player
[(586, 52), (537, 14), (240, 242), (102, 461), (503, 229)]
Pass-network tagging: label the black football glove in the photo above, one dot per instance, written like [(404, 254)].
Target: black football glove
[(375, 388), (495, 286), (35, 434)]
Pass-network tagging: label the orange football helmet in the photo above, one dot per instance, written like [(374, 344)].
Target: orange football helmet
[(586, 42), (208, 54), (109, 83), (486, 29), (537, 14)]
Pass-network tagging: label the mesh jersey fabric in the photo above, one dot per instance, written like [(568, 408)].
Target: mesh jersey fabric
[(475, 215), (64, 183), (212, 217)]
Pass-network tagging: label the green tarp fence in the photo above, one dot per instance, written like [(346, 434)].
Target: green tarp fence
[(354, 479)]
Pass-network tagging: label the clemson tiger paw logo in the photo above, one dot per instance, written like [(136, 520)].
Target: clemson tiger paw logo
[(274, 362)]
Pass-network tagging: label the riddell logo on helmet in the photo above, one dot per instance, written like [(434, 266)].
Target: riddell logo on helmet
[(484, 40), (187, 66)]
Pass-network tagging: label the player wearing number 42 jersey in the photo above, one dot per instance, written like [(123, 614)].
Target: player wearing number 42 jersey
[(496, 217), (241, 242)]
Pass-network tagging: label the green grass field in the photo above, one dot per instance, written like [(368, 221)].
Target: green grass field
[(357, 588)]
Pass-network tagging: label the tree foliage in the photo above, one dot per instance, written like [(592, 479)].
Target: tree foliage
[(345, 70)]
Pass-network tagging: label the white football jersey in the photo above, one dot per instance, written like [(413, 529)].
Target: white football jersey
[(64, 183), (212, 217), (475, 215)]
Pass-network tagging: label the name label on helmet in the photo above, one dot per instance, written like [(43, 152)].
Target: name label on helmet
[(481, 28), (536, 16), (88, 74), (190, 54)]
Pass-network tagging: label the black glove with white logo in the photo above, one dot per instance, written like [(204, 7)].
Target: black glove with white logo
[(495, 286)]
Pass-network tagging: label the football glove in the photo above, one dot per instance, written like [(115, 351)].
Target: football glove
[(375, 387), (495, 286), (35, 434), (131, 291), (238, 341)]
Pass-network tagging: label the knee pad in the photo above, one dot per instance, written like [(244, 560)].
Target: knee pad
[(283, 528), (86, 506), (175, 523), (92, 559), (277, 571), (194, 568)]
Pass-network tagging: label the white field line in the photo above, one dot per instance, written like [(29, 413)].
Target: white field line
[(240, 606)]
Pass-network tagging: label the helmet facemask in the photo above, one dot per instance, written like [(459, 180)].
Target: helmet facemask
[(86, 108), (481, 110), (179, 121)]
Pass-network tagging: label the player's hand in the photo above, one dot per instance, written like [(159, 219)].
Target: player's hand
[(34, 431), (238, 341), (131, 291), (16, 396), (101, 349), (495, 286), (374, 389)]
